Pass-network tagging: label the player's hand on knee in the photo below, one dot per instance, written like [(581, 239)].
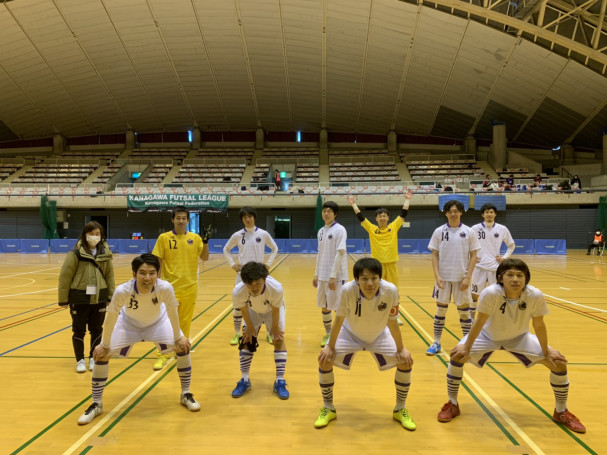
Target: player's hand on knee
[(101, 353), (277, 334), (182, 345), (327, 355), (460, 353), (556, 359), (403, 357), (248, 334)]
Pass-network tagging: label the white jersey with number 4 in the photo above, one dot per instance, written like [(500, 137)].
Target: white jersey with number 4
[(509, 318)]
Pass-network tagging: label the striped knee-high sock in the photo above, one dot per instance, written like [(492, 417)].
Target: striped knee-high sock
[(184, 370), (465, 321), (439, 322), (473, 312), (100, 373), (560, 384), (237, 320), (326, 320), (280, 359), (326, 381), (246, 358), (455, 373), (402, 380)]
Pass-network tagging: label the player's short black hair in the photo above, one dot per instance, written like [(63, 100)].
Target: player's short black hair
[(370, 264), (331, 205), (381, 210), (488, 206), (508, 264), (178, 209), (253, 271), (146, 258), (458, 205), (248, 210)]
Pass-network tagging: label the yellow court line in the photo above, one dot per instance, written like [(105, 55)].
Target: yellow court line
[(485, 395), (134, 393)]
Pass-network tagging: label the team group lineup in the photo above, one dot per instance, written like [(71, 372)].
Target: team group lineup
[(495, 304)]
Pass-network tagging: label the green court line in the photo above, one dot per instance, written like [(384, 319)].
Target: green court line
[(472, 394), (151, 387), (579, 441), (87, 398), (542, 410)]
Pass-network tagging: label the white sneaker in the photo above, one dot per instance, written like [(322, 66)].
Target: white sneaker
[(187, 400), (81, 366), (91, 364), (92, 411)]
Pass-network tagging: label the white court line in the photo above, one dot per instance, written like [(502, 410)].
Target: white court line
[(576, 304), (27, 293), (566, 289), (28, 273), (124, 402), (486, 396)]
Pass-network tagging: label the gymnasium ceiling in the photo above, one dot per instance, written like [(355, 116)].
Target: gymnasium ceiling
[(443, 68)]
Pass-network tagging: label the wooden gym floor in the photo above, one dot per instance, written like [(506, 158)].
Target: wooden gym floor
[(506, 409)]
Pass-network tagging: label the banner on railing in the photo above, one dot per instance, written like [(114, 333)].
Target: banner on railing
[(163, 202)]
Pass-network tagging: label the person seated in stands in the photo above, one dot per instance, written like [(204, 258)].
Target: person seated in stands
[(537, 180), (494, 186), (227, 178), (576, 183), (487, 181), (597, 242), (510, 181), (564, 186)]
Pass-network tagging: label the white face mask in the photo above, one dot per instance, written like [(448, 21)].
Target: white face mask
[(93, 240)]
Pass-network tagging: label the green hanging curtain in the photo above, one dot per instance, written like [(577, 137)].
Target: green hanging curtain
[(602, 215), (48, 217), (318, 221)]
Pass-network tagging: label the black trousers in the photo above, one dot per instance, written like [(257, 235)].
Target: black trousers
[(84, 314)]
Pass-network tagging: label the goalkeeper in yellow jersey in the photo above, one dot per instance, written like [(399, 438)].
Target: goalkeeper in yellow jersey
[(178, 251), (383, 237)]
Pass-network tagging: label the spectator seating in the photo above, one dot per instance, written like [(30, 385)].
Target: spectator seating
[(107, 173), (306, 173), (261, 172), (358, 170), (357, 152), (102, 155), (304, 152), (235, 153), (176, 154), (192, 172), (443, 168), (53, 173), (158, 173), (8, 169)]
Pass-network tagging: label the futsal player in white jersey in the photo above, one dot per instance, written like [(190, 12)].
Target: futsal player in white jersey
[(502, 323), (331, 265), (142, 309), (251, 242), (490, 236), (454, 247), (260, 298), (366, 321)]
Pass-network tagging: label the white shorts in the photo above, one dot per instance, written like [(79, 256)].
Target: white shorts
[(480, 279), (452, 288), (526, 348), (266, 318), (326, 298), (125, 335), (383, 349)]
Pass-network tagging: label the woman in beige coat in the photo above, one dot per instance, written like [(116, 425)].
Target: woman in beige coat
[(86, 284)]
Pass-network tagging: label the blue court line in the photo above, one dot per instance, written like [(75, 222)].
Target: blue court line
[(33, 341)]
